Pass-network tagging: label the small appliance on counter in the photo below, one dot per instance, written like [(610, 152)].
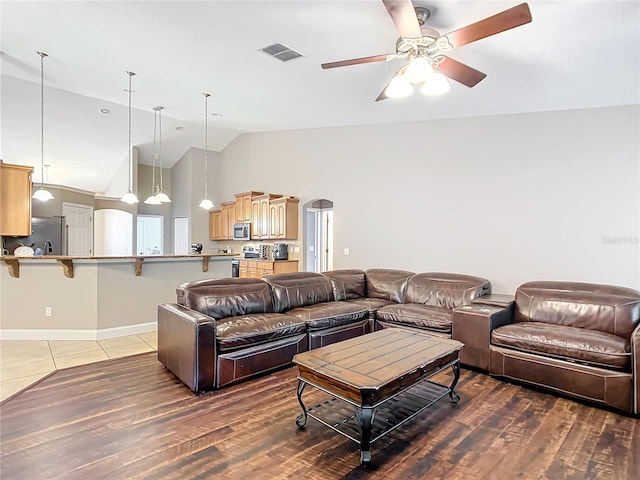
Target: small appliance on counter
[(196, 248), (265, 252), (280, 251), (249, 251)]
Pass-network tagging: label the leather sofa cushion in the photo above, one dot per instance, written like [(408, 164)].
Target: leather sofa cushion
[(418, 316), (606, 308), (227, 297), (371, 304), (448, 290), (347, 284), (298, 289), (244, 331), (386, 283), (329, 314), (590, 347)]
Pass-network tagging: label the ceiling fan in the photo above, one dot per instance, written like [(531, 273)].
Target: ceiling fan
[(423, 47)]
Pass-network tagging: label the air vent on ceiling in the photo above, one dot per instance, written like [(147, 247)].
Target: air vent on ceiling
[(281, 52)]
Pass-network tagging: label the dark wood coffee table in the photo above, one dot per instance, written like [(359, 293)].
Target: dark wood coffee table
[(383, 375)]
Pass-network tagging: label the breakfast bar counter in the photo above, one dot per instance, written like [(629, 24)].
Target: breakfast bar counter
[(13, 262), (93, 298)]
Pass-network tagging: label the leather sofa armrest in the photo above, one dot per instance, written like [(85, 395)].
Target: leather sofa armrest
[(635, 369), (187, 345), (472, 325), (495, 300)]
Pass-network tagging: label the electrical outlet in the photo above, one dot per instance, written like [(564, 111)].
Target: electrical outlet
[(346, 251), (47, 311)]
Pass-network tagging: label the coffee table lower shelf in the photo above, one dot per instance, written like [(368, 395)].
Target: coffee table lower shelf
[(345, 417)]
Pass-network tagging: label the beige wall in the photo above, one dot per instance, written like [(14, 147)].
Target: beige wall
[(511, 198)]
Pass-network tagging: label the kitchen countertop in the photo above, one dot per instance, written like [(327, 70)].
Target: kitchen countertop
[(13, 262)]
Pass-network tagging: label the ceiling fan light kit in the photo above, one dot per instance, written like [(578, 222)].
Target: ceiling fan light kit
[(424, 48)]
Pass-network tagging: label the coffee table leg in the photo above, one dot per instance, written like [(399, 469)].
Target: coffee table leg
[(365, 416), (301, 421), (456, 376)]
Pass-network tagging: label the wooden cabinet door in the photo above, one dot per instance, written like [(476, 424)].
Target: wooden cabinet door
[(243, 206), (263, 215), (228, 219), (285, 218), (255, 219), (274, 224), (215, 225), (15, 199)]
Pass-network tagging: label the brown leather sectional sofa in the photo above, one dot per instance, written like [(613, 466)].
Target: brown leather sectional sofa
[(223, 331), (582, 340)]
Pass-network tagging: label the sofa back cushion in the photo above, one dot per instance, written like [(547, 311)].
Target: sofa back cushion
[(386, 283), (298, 289), (606, 308), (347, 284), (447, 290), (226, 297)]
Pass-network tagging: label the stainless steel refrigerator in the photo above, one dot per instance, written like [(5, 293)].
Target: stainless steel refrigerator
[(47, 233)]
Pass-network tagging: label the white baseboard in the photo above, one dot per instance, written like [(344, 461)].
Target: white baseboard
[(103, 334)]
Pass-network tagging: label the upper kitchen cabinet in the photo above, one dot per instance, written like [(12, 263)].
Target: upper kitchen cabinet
[(215, 225), (15, 199), (243, 206), (283, 218), (228, 218), (260, 218)]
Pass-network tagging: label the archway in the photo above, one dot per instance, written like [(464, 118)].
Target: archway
[(318, 235)]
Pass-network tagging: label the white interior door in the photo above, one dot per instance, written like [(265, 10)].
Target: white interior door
[(79, 221)]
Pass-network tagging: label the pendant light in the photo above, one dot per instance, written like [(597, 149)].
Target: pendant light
[(206, 203), (160, 195), (153, 199), (130, 197), (42, 194)]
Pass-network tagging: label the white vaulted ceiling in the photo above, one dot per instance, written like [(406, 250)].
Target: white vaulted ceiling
[(575, 54)]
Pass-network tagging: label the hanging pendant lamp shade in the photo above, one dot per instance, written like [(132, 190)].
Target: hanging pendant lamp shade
[(206, 203), (42, 194), (130, 197)]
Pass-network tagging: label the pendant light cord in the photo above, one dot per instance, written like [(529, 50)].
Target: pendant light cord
[(42, 55), (160, 146), (131, 74), (206, 146)]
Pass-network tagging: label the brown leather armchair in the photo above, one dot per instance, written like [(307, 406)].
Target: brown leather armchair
[(578, 339)]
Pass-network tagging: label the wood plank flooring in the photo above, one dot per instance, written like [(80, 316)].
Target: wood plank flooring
[(131, 419)]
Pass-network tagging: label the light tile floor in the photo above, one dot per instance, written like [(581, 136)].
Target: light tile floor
[(23, 362)]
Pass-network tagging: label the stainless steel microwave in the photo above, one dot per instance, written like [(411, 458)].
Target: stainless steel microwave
[(242, 231)]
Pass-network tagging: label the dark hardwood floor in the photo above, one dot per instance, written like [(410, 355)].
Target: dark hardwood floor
[(130, 418)]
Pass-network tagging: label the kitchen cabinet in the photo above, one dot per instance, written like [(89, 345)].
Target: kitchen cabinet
[(15, 199), (262, 268), (215, 225), (228, 216), (243, 206), (283, 218), (260, 219)]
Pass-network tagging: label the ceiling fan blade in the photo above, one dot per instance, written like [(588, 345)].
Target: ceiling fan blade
[(356, 61), (403, 14), (511, 18), (460, 72)]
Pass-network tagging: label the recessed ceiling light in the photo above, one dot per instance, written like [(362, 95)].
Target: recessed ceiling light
[(105, 111), (180, 129)]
